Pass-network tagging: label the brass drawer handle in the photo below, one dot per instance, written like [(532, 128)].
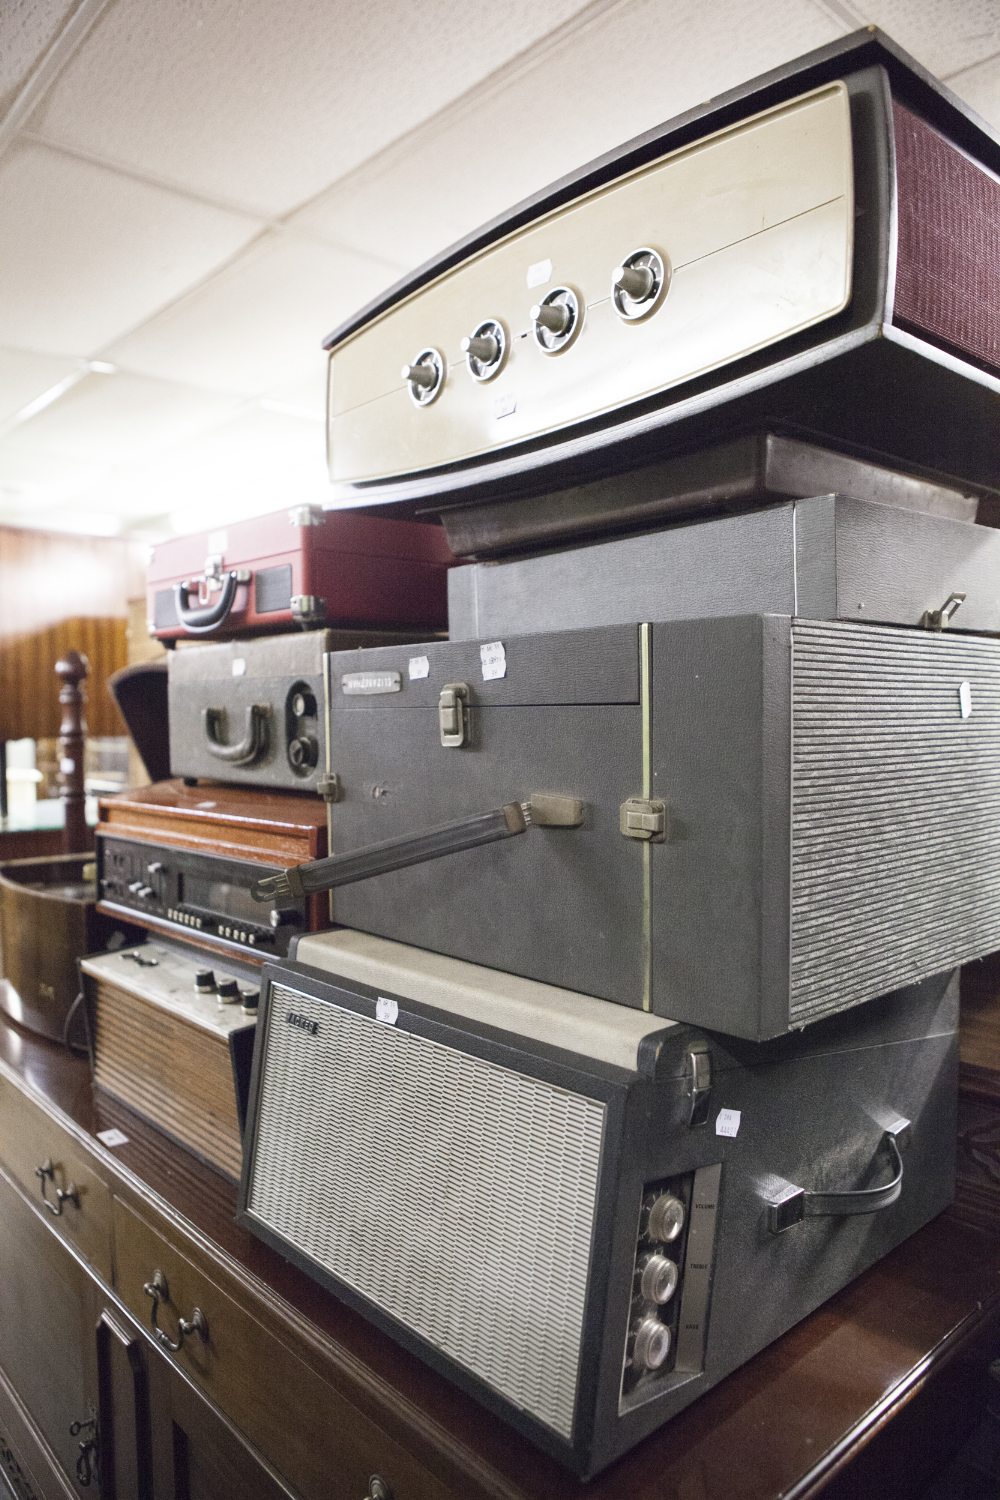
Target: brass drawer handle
[(157, 1289), (69, 1194)]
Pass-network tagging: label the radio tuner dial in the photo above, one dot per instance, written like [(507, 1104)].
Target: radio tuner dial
[(638, 285), (666, 1218), (556, 320), (424, 378), (485, 350), (652, 1344), (658, 1276)]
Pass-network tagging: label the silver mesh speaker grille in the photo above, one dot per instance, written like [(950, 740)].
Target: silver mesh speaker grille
[(456, 1195), (895, 810)]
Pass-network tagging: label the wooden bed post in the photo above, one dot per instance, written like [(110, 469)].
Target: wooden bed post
[(72, 670)]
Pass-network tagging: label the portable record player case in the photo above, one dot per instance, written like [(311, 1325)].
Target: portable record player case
[(583, 1216), (788, 254), (164, 1044), (826, 557), (302, 566), (253, 712), (776, 818)]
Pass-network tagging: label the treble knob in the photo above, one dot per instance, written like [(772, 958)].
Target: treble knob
[(637, 282), (419, 375), (556, 320), (485, 349), (424, 377)]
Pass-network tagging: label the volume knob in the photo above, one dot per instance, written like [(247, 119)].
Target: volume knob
[(637, 282), (658, 1276), (652, 1344), (666, 1218), (555, 316), (485, 349)]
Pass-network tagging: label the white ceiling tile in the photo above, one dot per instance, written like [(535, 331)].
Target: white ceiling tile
[(43, 475), (980, 88), (118, 417), (520, 134), (264, 104), (25, 376), (86, 253), (27, 28), (943, 35), (304, 397), (260, 323)]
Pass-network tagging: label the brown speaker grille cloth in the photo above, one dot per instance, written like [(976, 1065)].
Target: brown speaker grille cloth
[(948, 251)]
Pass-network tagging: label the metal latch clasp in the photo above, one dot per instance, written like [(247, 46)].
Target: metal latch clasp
[(644, 818), (698, 1068), (452, 702), (940, 619)]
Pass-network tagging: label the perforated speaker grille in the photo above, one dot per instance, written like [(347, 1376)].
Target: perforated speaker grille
[(895, 810), (948, 243), (456, 1195)]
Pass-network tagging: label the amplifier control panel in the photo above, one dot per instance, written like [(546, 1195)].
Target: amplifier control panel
[(199, 894)]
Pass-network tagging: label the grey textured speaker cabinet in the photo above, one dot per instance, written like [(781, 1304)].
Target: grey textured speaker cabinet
[(825, 558), (583, 1216), (782, 818)]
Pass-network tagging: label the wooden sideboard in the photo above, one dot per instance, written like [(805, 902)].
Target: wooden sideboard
[(291, 1394)]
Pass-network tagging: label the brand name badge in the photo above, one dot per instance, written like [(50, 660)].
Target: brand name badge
[(304, 1023), (355, 683)]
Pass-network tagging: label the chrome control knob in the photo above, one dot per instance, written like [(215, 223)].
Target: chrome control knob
[(652, 1344), (485, 349), (637, 282), (249, 1002), (666, 1218), (228, 992), (204, 982), (638, 285), (556, 320), (658, 1277), (424, 378)]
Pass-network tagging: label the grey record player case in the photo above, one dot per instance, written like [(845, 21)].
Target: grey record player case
[(508, 1169), (813, 808), (827, 557)]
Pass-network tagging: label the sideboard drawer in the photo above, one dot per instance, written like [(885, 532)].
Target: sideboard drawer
[(54, 1171), (308, 1431)]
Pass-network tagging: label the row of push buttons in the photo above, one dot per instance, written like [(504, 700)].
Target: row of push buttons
[(188, 918)]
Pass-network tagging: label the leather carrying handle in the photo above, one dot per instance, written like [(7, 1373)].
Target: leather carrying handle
[(204, 620), (416, 848), (255, 734), (795, 1203)]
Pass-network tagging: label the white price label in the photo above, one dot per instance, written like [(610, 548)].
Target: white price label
[(419, 667), (965, 699), (539, 273), (727, 1122), (239, 666), (494, 660), (112, 1137), (504, 405), (386, 1010)]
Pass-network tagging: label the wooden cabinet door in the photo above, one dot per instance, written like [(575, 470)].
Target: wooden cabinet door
[(197, 1454), (45, 1326)]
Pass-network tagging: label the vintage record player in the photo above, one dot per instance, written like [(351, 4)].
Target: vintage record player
[(583, 1215), (747, 823), (815, 249)]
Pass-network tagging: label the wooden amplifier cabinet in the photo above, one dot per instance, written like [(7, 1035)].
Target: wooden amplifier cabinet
[(237, 826)]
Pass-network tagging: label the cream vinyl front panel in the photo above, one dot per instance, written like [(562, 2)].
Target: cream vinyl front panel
[(756, 223)]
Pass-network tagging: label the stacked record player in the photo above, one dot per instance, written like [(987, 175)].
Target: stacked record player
[(634, 1035)]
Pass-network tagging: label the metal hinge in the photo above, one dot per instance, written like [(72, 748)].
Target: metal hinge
[(306, 515), (644, 818), (940, 619), (307, 609), (452, 701)]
